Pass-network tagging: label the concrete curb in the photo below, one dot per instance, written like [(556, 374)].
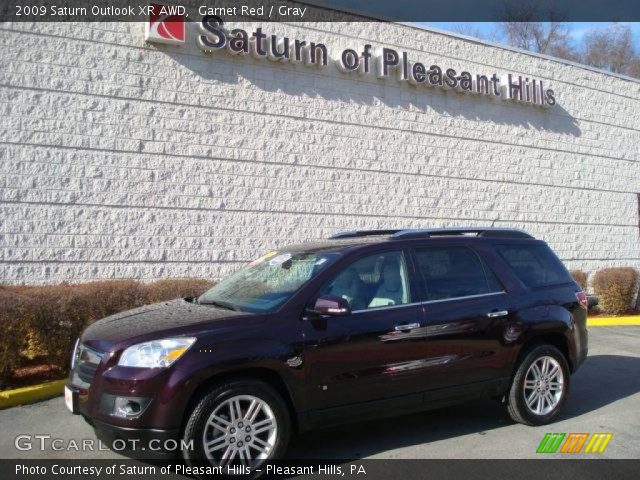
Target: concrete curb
[(613, 321), (34, 393)]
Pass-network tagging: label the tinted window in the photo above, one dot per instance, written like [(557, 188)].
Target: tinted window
[(535, 265), (452, 272), (372, 282)]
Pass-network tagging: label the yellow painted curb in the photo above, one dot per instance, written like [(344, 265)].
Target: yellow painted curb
[(34, 393), (613, 321)]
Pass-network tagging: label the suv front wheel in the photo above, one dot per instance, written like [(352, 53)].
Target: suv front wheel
[(540, 386), (241, 422)]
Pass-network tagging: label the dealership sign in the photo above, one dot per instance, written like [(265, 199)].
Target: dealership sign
[(382, 62)]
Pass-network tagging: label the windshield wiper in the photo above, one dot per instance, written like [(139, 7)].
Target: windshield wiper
[(226, 306)]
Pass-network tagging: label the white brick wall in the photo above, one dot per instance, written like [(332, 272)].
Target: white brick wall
[(121, 159)]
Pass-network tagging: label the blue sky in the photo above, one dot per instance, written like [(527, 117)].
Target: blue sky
[(578, 29)]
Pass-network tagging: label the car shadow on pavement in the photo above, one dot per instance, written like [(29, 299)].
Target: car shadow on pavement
[(363, 439), (600, 381)]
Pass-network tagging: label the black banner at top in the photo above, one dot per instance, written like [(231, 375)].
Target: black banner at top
[(326, 10)]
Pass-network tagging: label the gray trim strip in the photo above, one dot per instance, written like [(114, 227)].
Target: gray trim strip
[(464, 298), (428, 302), (391, 307)]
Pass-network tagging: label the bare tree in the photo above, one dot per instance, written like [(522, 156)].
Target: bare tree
[(611, 49), (538, 37), (521, 29), (469, 29), (634, 71)]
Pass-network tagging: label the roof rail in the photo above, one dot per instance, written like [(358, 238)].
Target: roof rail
[(409, 233), (363, 233), (479, 232)]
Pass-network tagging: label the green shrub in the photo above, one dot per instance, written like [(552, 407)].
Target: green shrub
[(55, 316), (14, 332), (581, 278), (44, 321), (180, 288), (101, 299), (616, 289)]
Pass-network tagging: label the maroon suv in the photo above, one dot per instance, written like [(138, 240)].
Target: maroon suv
[(367, 323)]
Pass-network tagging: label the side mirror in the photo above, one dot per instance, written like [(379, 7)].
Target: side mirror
[(331, 305)]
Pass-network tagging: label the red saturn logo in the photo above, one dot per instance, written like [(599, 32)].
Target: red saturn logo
[(166, 24)]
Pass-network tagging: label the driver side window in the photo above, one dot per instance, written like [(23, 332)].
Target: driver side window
[(372, 282)]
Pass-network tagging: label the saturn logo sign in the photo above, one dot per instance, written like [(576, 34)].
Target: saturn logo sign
[(166, 24)]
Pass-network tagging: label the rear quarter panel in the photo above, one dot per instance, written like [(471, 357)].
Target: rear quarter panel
[(543, 311), (551, 314)]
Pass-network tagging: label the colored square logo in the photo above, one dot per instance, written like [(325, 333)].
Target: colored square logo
[(165, 25), (574, 443)]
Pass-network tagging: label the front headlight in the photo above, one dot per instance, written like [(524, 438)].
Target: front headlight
[(155, 354)]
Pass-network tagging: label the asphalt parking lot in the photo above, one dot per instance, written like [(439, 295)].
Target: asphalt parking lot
[(605, 397)]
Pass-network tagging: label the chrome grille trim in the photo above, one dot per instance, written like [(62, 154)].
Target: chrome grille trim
[(86, 363)]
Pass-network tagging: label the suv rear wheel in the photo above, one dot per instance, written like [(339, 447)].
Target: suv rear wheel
[(237, 423), (540, 386)]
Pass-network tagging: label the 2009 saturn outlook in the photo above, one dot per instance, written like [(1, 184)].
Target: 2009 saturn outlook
[(365, 324)]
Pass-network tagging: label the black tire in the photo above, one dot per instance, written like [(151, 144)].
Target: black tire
[(516, 404), (195, 426)]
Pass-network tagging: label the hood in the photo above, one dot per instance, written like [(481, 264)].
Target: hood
[(173, 318)]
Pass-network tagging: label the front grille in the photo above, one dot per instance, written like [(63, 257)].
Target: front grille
[(86, 362), (86, 371)]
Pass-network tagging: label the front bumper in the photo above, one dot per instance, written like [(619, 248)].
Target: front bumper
[(135, 438), (162, 395), (138, 442)]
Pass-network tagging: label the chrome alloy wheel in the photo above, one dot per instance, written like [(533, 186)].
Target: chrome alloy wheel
[(543, 385), (242, 431)]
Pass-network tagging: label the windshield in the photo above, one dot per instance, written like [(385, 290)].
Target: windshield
[(266, 283)]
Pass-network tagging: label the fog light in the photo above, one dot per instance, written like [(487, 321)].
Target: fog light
[(129, 407)]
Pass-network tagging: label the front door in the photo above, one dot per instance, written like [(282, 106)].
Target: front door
[(373, 352)]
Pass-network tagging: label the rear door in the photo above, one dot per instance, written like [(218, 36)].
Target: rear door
[(466, 309)]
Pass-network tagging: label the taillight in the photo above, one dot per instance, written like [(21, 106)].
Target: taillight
[(582, 299)]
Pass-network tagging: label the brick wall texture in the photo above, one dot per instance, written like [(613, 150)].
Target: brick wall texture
[(121, 159)]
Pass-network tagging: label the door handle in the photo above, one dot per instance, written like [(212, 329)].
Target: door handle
[(501, 313), (406, 326)]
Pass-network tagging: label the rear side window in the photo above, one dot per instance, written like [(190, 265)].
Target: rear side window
[(535, 265), (451, 272)]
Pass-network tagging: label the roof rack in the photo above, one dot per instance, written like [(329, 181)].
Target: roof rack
[(409, 233), (363, 233)]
